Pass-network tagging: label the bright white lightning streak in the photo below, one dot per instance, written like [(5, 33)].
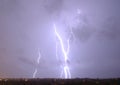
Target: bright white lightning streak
[(35, 72), (65, 70), (38, 61)]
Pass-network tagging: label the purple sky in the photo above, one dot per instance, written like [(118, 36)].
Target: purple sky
[(26, 25)]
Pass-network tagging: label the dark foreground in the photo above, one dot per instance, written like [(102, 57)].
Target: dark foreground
[(76, 81)]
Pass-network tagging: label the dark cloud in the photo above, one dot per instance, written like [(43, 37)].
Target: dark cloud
[(84, 30), (84, 33), (53, 6), (110, 28)]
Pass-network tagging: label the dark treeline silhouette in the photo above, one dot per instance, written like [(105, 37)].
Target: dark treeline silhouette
[(76, 81)]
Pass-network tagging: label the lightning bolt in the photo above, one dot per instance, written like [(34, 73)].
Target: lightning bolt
[(38, 61), (65, 67), (65, 64)]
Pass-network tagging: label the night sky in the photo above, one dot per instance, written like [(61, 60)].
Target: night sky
[(27, 25)]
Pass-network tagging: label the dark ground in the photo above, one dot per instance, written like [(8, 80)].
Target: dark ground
[(76, 81)]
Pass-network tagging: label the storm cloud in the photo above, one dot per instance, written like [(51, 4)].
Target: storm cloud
[(26, 25)]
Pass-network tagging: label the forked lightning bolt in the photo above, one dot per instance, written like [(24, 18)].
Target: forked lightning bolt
[(38, 61), (65, 68), (65, 64)]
